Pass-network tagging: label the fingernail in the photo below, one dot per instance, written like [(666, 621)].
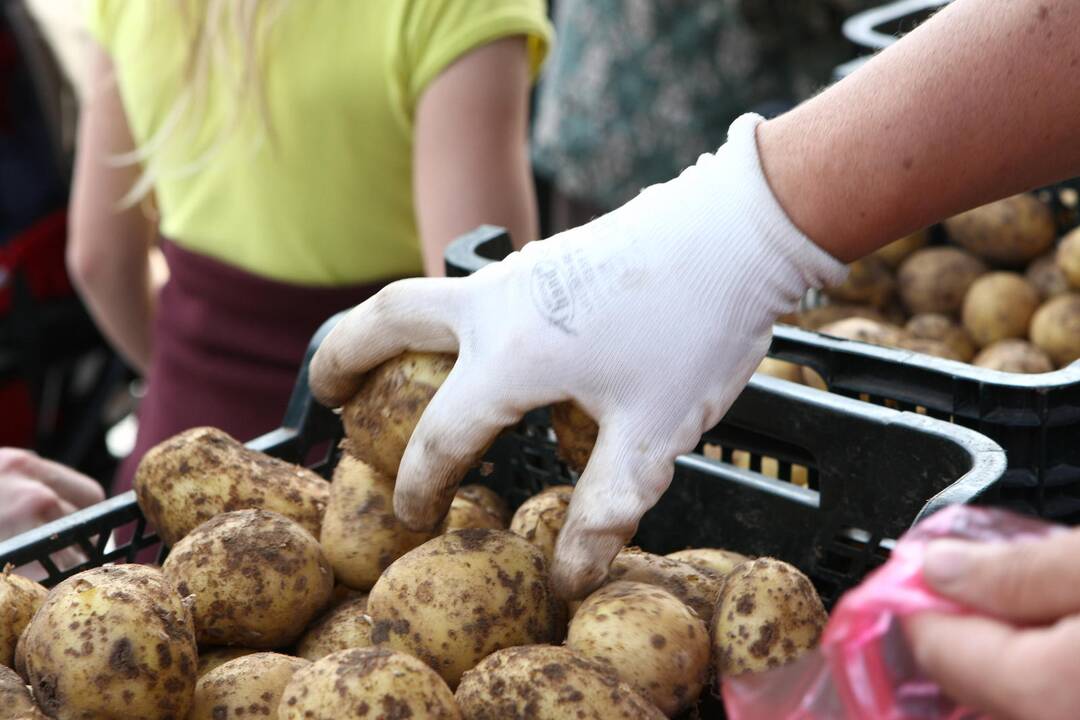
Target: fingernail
[(948, 562)]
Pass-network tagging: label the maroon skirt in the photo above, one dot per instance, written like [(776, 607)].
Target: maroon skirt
[(227, 347)]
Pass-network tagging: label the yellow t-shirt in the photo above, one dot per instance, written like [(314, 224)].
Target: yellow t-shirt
[(328, 200)]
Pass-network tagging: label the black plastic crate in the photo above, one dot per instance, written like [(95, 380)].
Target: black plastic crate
[(870, 473)]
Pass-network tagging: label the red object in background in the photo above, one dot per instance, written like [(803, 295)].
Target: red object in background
[(37, 254), (16, 414)]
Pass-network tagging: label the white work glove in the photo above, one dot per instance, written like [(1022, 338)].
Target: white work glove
[(652, 317)]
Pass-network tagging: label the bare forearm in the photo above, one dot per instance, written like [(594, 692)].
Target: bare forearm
[(980, 102), (122, 299)]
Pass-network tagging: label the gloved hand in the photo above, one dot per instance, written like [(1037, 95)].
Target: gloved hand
[(652, 317)]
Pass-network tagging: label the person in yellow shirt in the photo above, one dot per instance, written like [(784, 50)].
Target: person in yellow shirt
[(301, 154)]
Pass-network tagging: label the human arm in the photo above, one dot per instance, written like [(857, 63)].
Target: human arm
[(1016, 661), (471, 163), (109, 246), (654, 316), (978, 103)]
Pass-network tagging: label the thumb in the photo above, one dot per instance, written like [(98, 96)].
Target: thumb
[(457, 427), (620, 483), (1032, 581)]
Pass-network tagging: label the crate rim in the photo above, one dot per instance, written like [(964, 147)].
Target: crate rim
[(954, 369)]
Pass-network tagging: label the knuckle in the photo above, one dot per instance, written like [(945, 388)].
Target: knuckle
[(15, 460)]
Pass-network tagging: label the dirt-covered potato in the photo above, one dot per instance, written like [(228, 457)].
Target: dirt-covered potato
[(113, 642), (869, 281), (768, 615), (247, 687), (19, 600), (815, 318), (575, 432), (464, 514), (345, 626), (191, 477), (543, 682), (1055, 328), (367, 682), (257, 579), (1015, 356), (20, 654), (1068, 257), (941, 328), (461, 596), (710, 559), (16, 703), (361, 535), (999, 305), (695, 586), (935, 279), (486, 498), (214, 657), (1012, 231), (781, 369), (381, 417), (864, 330), (1047, 276), (652, 640), (540, 518), (898, 250)]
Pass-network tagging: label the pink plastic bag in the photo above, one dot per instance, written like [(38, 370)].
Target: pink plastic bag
[(863, 669)]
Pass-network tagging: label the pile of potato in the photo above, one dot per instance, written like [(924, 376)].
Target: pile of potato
[(1003, 294), (287, 596)]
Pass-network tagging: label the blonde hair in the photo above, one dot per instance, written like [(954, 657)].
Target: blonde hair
[(225, 43)]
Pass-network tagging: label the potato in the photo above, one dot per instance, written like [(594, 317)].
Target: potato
[(381, 417), (1067, 257), (714, 560), (695, 586), (781, 369), (191, 477), (654, 642), (1047, 276), (1012, 231), (343, 593), (1055, 328), (345, 626), (863, 330), (575, 432), (540, 518), (20, 654), (815, 318), (461, 596), (353, 683), (486, 498), (249, 686), (19, 600), (1016, 356), (898, 250), (16, 703), (360, 534), (999, 305), (464, 514), (869, 282), (935, 279), (215, 657), (258, 578), (768, 615), (935, 326), (113, 642), (542, 682)]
